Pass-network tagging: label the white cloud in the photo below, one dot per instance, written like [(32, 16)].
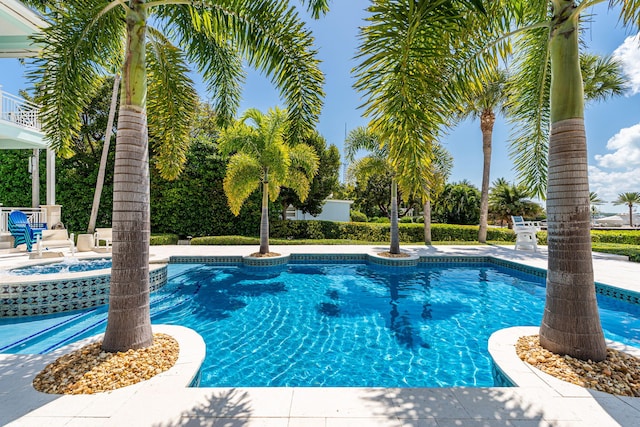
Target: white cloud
[(609, 184), (629, 55), (626, 149)]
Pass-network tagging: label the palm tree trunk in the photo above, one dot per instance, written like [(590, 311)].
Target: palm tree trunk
[(394, 232), (264, 219), (103, 160), (426, 215), (630, 215), (487, 120), (129, 320), (571, 323)]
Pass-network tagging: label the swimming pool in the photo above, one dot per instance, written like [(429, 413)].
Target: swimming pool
[(337, 324), (68, 265)]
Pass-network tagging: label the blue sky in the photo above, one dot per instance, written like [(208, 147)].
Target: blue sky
[(613, 127)]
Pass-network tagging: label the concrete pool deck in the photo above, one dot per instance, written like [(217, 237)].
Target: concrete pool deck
[(168, 402)]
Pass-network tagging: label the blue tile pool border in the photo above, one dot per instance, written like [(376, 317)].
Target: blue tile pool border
[(62, 295)]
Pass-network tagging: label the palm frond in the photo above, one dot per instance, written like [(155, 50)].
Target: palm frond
[(361, 138), (215, 57), (317, 8), (243, 177), (304, 158), (171, 103), (272, 38), (529, 109), (602, 77), (77, 52)]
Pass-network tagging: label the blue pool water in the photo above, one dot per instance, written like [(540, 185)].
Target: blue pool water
[(66, 266), (337, 324)]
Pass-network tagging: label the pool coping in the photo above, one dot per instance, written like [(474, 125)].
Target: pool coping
[(519, 373)]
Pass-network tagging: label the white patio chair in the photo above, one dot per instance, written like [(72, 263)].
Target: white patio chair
[(526, 238)]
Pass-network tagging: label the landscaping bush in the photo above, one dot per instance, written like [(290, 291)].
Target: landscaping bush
[(357, 216), (225, 240), (626, 237), (406, 220), (378, 232), (163, 239)]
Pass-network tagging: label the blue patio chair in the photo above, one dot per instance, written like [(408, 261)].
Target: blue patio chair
[(22, 231)]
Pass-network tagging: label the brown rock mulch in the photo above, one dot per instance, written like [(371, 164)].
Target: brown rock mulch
[(390, 255), (267, 255), (618, 374), (91, 370)]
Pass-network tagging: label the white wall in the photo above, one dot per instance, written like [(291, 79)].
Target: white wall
[(333, 210)]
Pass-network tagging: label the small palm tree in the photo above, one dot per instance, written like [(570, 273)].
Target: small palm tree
[(595, 201), (629, 199), (506, 200), (376, 163), (442, 164), (260, 155)]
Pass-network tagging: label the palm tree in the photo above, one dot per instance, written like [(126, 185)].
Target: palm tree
[(629, 199), (549, 73), (481, 103), (376, 163), (85, 39), (594, 200), (442, 165), (506, 200), (260, 155), (602, 78)]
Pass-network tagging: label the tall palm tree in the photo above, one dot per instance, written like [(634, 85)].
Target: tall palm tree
[(86, 38), (550, 73), (602, 78), (260, 155), (376, 163), (482, 102), (629, 199)]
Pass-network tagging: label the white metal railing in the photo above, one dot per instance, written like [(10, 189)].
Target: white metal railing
[(19, 111), (35, 215)]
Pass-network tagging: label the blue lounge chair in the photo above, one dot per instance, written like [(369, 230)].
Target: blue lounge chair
[(23, 231)]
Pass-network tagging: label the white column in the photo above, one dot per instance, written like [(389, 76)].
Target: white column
[(51, 177), (34, 166)]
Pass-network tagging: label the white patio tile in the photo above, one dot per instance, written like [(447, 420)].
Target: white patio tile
[(340, 402)]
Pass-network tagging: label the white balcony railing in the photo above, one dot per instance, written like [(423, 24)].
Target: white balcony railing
[(35, 215), (19, 111)]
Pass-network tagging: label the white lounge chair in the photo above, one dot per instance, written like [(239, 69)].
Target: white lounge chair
[(525, 233), (103, 235), (58, 238)]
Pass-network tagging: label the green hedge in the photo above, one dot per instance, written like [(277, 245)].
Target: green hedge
[(409, 233), (163, 239), (372, 232), (626, 237)]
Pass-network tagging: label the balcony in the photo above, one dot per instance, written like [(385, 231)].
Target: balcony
[(19, 111), (19, 123)]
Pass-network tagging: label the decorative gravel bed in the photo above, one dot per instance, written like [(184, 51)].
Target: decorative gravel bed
[(618, 374), (90, 370)]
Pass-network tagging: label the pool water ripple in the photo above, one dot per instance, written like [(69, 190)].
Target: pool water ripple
[(344, 324)]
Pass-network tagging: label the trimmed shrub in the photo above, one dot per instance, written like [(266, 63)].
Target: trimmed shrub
[(626, 237), (225, 240), (357, 216), (163, 239)]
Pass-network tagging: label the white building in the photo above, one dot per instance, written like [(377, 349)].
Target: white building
[(332, 210)]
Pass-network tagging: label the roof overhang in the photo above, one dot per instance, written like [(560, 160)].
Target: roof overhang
[(17, 24), (14, 137)]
